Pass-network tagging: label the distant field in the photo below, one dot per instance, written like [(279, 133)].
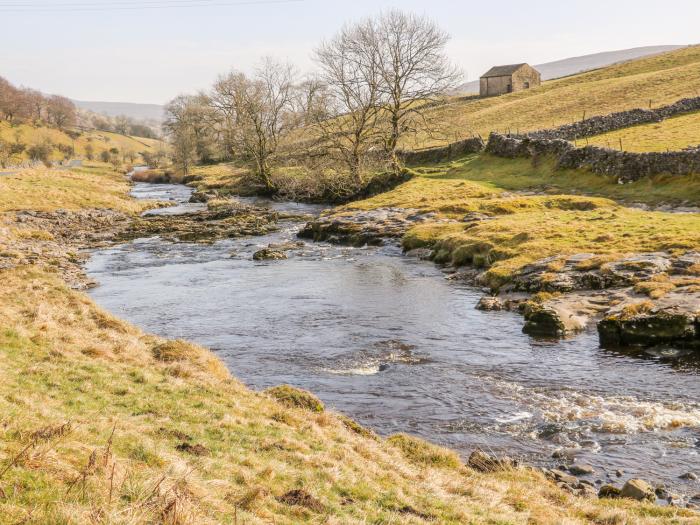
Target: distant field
[(100, 140), (672, 134), (656, 80)]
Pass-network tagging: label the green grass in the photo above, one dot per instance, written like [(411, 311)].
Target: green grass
[(525, 227), (672, 134)]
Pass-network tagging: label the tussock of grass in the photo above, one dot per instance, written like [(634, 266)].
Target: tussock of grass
[(421, 452), (296, 398)]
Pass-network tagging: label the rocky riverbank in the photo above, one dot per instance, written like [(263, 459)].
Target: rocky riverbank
[(644, 299)]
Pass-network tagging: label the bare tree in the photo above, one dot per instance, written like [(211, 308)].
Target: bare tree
[(262, 108), (414, 71), (61, 112), (350, 69)]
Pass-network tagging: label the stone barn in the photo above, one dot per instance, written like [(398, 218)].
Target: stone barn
[(500, 80)]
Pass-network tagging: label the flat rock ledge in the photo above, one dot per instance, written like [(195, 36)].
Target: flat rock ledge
[(365, 228)]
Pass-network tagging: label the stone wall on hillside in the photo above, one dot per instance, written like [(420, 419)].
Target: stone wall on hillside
[(623, 119), (625, 166), (443, 153)]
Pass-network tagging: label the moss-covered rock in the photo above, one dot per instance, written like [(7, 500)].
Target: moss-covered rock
[(648, 328)]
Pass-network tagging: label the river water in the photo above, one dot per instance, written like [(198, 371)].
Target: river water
[(391, 342)]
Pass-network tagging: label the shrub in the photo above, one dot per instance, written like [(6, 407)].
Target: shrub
[(41, 152)]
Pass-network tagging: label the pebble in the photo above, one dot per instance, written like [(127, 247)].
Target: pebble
[(690, 476)]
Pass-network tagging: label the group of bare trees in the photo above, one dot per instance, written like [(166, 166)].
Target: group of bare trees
[(24, 105), (374, 82)]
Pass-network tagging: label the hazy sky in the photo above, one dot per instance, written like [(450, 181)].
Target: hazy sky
[(119, 51)]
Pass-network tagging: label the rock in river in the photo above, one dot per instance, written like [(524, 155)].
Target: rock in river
[(551, 321), (268, 254)]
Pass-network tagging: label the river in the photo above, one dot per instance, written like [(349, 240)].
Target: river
[(391, 342)]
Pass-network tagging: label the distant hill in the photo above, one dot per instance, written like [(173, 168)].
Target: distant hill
[(115, 109), (571, 66)]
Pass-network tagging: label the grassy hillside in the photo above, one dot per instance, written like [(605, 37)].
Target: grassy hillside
[(100, 140), (660, 79), (672, 134), (558, 220), (102, 423)]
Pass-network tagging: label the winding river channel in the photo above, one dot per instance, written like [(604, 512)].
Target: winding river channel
[(391, 342)]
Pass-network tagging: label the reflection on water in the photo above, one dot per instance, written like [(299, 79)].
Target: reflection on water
[(389, 341)]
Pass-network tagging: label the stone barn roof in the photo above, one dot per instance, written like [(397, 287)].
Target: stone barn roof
[(502, 71)]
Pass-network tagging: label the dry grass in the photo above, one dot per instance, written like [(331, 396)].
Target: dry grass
[(660, 79), (94, 186), (672, 134)]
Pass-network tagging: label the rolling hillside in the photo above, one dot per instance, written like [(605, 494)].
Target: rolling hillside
[(655, 81), (77, 139), (581, 64)]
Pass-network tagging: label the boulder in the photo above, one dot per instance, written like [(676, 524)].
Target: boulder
[(638, 489), (581, 470), (551, 321), (563, 477), (490, 304), (649, 328), (609, 491), (268, 254)]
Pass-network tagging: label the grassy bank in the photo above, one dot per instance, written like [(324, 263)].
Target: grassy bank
[(102, 423), (535, 212)]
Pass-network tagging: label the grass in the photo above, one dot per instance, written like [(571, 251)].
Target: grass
[(100, 140), (94, 186), (659, 80), (102, 423), (672, 134), (525, 227)]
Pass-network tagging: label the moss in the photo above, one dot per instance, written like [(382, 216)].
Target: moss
[(423, 453), (295, 398)]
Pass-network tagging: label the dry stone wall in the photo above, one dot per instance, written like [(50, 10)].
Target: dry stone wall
[(623, 119), (625, 166)]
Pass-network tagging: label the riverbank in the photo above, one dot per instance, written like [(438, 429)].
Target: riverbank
[(563, 259), (103, 421)]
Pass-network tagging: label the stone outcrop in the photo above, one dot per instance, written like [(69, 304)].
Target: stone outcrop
[(364, 228), (656, 326)]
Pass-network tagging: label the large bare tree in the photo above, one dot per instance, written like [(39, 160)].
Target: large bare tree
[(350, 70), (262, 109), (414, 71)]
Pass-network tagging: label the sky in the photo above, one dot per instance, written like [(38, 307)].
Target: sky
[(149, 51)]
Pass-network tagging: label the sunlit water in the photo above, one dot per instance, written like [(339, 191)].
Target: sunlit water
[(391, 342)]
